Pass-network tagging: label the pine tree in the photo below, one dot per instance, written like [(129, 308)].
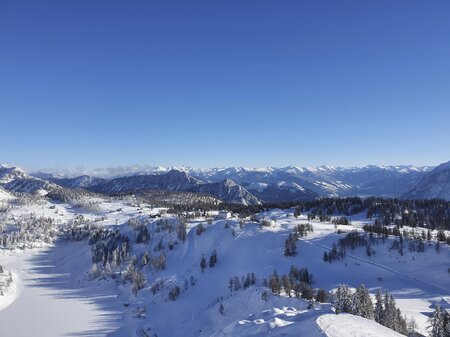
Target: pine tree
[(203, 263), (264, 296), (320, 296), (343, 300), (200, 229), (437, 323), (274, 283), (390, 311), (379, 309), (362, 303), (213, 258), (290, 247), (237, 283), (411, 326)]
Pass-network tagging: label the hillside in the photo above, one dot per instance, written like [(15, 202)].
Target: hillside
[(435, 184), (135, 284)]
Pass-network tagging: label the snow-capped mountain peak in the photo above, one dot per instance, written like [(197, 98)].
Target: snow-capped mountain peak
[(9, 173)]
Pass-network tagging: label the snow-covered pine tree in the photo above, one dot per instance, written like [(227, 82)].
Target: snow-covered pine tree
[(379, 309), (393, 318), (362, 303), (437, 323), (343, 299)]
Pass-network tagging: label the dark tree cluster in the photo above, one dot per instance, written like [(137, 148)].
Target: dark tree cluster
[(237, 283), (212, 260), (342, 220), (290, 246), (142, 234), (182, 230), (415, 239), (298, 283), (178, 202), (434, 213), (200, 229), (174, 293), (351, 241)]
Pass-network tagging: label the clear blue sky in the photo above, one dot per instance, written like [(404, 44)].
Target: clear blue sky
[(216, 83)]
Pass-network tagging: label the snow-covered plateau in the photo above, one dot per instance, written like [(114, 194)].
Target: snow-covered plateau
[(118, 266)]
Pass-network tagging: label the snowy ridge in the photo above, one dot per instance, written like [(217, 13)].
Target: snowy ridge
[(270, 184), (8, 174), (17, 180), (435, 184), (229, 191), (323, 180)]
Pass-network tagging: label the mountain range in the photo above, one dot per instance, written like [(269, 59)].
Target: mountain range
[(252, 186)]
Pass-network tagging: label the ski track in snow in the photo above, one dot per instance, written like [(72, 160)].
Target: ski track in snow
[(378, 266)]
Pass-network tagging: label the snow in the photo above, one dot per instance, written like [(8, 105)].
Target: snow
[(290, 185), (4, 195), (345, 325), (46, 304), (54, 279), (257, 186), (8, 173), (9, 291)]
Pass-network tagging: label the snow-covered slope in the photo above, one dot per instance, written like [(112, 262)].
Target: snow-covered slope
[(8, 174), (435, 184), (31, 185), (58, 279), (4, 195), (345, 325), (229, 191), (281, 192), (17, 180)]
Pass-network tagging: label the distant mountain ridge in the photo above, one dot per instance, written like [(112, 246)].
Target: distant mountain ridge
[(246, 185), (18, 180), (434, 184), (175, 180)]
